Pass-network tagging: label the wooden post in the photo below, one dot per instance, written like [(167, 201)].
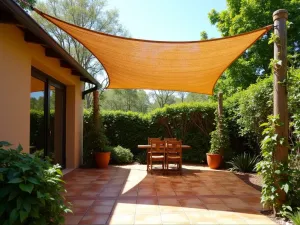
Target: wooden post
[(96, 109), (220, 115), (220, 104), (280, 91), (280, 74)]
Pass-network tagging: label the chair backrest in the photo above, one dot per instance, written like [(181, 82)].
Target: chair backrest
[(153, 139), (157, 146), (170, 139), (174, 147)]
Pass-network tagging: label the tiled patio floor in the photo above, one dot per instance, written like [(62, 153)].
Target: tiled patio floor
[(128, 195)]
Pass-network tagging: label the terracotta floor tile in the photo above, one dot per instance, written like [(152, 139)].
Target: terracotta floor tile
[(124, 208), (147, 193), (100, 209), (170, 209), (152, 218), (94, 219), (264, 221), (131, 195), (200, 218), (210, 200), (120, 219), (72, 219), (174, 218), (104, 202), (198, 209), (89, 193), (144, 208), (108, 194), (153, 201), (82, 203), (79, 210), (168, 202), (217, 206), (185, 193)]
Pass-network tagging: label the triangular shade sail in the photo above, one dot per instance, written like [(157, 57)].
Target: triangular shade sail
[(181, 66)]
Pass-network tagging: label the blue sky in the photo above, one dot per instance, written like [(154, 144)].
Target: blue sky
[(167, 20)]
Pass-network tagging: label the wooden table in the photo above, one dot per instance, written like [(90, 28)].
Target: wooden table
[(147, 147)]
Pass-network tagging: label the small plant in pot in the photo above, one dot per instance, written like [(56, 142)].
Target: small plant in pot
[(219, 141)]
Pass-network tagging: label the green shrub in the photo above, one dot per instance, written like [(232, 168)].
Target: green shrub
[(244, 163), (295, 218), (245, 111), (120, 155), (141, 158), (30, 189)]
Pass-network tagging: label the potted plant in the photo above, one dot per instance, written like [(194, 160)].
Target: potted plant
[(102, 158), (96, 142), (97, 138), (218, 142)]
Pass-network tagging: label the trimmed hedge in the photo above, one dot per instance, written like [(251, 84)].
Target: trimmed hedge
[(191, 123)]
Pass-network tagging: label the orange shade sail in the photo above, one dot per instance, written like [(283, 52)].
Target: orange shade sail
[(180, 66)]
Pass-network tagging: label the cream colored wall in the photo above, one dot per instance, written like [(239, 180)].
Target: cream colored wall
[(17, 57)]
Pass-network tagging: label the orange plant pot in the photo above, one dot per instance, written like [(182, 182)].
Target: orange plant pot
[(213, 160), (102, 159)]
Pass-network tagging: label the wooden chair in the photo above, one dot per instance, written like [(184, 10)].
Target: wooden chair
[(174, 154), (153, 139), (148, 150), (170, 139), (157, 153)]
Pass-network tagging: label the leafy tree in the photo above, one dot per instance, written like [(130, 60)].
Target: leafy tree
[(244, 16), (90, 14), (129, 98), (203, 35), (126, 100), (24, 5), (182, 96), (143, 102), (163, 97), (37, 103), (195, 97)]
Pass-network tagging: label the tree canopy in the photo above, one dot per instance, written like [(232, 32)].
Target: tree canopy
[(90, 14), (243, 16)]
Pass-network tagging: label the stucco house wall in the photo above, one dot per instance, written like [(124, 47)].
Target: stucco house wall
[(16, 59)]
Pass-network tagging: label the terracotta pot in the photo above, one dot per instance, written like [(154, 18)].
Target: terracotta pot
[(102, 159), (213, 160)]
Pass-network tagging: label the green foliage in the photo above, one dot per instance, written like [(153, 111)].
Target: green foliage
[(30, 189), (126, 100), (244, 16), (94, 139), (277, 175), (26, 6), (120, 155), (191, 123), (219, 141), (295, 218), (37, 129), (246, 110), (244, 163), (141, 157)]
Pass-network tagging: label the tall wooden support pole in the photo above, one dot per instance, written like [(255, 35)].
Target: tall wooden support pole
[(220, 116), (280, 91), (280, 74)]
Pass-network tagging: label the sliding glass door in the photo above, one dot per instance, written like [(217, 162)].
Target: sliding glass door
[(47, 122)]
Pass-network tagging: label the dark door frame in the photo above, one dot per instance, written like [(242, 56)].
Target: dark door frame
[(50, 81)]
